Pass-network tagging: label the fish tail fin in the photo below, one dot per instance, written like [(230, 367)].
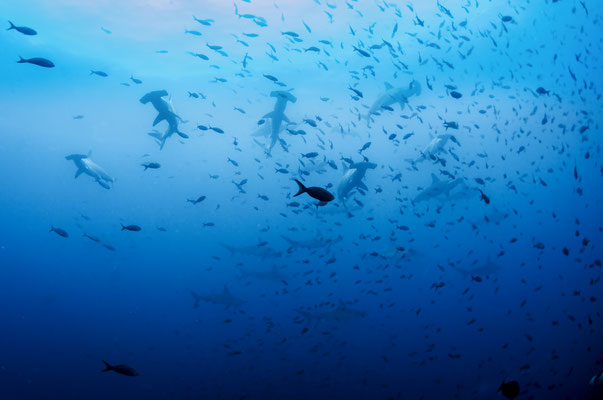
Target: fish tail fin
[(12, 26), (21, 60), (302, 188), (51, 228), (123, 228), (107, 367)]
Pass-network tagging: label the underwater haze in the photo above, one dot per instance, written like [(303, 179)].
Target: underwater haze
[(301, 199)]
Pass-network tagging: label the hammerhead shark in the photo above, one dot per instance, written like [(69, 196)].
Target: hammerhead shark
[(86, 166), (277, 116), (165, 112), (394, 95), (438, 188), (352, 178), (342, 313), (225, 298)]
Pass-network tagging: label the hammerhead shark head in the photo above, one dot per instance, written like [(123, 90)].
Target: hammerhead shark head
[(85, 165), (435, 147), (392, 96), (165, 112), (277, 116)]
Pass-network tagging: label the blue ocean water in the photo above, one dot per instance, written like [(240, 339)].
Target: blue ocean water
[(461, 141)]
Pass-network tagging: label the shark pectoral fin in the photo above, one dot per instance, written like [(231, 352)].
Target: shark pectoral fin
[(286, 119), (362, 186), (78, 173), (269, 115), (388, 86), (434, 179), (158, 119)]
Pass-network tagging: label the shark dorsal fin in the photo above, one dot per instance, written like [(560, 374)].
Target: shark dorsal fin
[(434, 179), (388, 86), (89, 154)]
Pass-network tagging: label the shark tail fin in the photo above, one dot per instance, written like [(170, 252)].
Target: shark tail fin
[(123, 228), (12, 26), (302, 188), (51, 228), (21, 60), (107, 367)]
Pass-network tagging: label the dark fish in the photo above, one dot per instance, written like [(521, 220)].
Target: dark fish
[(361, 52), (218, 130), (131, 228), (99, 73), (59, 231), (120, 369), (318, 193), (485, 198), (456, 94), (42, 62), (310, 155), (542, 90), (270, 77), (199, 200), (136, 81), (23, 29), (509, 389), (152, 165), (93, 238)]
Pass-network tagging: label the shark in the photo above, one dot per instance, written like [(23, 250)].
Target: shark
[(264, 252), (165, 110), (486, 269), (435, 147), (86, 166), (314, 243), (394, 95), (277, 116), (352, 179), (225, 298), (273, 274), (440, 188), (341, 313)]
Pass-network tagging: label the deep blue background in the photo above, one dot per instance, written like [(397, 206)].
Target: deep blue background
[(67, 304)]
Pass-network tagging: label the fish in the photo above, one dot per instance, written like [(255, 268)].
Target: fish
[(59, 231), (99, 73), (39, 61), (152, 165), (131, 228), (509, 389), (22, 29), (120, 369), (317, 193)]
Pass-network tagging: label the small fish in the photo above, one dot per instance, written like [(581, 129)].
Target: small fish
[(310, 155), (99, 73), (196, 33), (152, 165), (39, 61), (320, 194), (270, 77), (120, 369), (509, 389), (455, 94), (22, 29), (485, 198), (218, 130), (59, 231), (361, 52), (136, 81), (198, 200), (131, 228)]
